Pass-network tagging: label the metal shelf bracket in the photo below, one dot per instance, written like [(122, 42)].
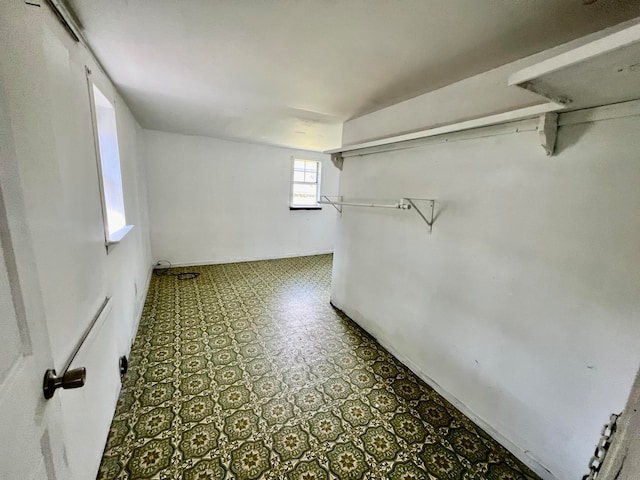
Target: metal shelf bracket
[(427, 215)]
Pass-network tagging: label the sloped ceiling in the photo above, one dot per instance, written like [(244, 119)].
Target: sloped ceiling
[(289, 72)]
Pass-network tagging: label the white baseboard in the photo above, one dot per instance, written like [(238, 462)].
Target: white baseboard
[(219, 261), (138, 317), (523, 455)]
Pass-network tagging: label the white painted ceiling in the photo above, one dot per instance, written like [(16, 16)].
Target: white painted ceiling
[(289, 72)]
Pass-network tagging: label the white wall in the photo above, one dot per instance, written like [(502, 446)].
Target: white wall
[(42, 74), (522, 306), (215, 201)]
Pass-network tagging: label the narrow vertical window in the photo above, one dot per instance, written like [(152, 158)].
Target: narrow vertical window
[(106, 136), (305, 184)]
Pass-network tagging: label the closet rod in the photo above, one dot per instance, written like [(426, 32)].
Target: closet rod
[(405, 203), (400, 205)]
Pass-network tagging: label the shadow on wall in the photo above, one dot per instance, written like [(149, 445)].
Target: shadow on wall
[(566, 142)]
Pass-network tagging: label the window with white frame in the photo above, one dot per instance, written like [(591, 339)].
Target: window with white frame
[(305, 184), (106, 133)]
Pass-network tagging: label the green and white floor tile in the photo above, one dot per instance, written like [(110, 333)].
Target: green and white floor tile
[(247, 372)]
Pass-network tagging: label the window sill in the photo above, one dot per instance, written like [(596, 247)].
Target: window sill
[(116, 237), (305, 208)]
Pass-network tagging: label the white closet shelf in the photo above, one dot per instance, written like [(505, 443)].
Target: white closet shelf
[(601, 72), (605, 71), (505, 117)]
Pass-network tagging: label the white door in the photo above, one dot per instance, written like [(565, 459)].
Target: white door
[(53, 264), (29, 424)]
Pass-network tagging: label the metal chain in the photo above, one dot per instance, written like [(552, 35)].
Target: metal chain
[(601, 450)]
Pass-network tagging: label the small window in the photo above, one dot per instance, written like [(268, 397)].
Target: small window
[(305, 184), (106, 133)]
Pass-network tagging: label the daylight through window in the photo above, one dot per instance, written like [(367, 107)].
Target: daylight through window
[(109, 163), (305, 188)]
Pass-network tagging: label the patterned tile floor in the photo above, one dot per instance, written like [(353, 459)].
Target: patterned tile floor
[(247, 372)]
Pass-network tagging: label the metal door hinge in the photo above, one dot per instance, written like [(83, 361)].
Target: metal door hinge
[(601, 450)]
